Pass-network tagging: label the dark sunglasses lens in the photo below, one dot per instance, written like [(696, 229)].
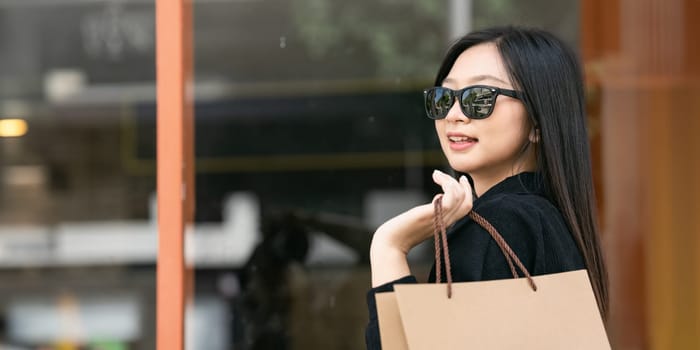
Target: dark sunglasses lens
[(438, 102), (477, 103)]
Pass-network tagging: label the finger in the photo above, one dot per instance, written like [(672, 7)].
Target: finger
[(439, 176), (445, 181), (466, 187), (455, 203), (460, 200), (467, 203), (454, 193)]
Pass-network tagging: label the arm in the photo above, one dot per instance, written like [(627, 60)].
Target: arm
[(388, 252), (395, 238)]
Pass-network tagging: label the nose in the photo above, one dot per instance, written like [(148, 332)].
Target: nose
[(455, 114)]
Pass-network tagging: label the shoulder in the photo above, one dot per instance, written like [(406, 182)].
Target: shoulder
[(524, 216), (517, 203), (531, 225), (517, 217), (536, 230)]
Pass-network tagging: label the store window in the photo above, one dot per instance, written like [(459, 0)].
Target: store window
[(310, 132)]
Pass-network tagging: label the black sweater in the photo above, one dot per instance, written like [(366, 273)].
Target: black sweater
[(529, 222)]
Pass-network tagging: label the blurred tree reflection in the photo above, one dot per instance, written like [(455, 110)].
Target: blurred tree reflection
[(404, 38), (386, 28)]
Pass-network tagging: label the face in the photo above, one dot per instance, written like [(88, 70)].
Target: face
[(490, 147)]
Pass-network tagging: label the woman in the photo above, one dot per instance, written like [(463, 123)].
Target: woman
[(509, 112)]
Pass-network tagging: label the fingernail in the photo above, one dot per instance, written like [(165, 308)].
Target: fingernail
[(435, 172), (463, 179)]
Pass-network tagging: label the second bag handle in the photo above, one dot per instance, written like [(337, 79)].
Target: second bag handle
[(440, 236)]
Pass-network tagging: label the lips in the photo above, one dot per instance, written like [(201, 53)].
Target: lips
[(460, 142), (461, 139)]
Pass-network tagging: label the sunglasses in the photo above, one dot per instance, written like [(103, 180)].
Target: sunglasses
[(476, 101)]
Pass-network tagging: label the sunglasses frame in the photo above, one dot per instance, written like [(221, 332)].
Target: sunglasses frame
[(458, 93)]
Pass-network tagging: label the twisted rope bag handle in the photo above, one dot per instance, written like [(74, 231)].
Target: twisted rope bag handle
[(440, 236)]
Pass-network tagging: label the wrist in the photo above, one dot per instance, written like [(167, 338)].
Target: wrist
[(405, 231), (387, 263), (383, 246)]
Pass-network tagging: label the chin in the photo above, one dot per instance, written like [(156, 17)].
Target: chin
[(461, 167)]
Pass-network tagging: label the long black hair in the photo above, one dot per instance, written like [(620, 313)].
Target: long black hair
[(548, 73)]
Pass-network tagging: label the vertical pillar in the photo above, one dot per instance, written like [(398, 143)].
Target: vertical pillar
[(641, 54), (460, 18), (175, 164)]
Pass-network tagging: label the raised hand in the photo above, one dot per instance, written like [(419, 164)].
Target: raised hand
[(396, 237)]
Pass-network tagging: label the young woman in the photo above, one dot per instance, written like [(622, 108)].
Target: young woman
[(509, 112)]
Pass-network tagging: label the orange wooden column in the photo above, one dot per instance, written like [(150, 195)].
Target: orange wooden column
[(641, 56), (175, 173)]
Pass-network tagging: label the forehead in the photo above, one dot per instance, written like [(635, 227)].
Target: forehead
[(480, 64)]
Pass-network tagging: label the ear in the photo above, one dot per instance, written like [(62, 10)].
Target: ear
[(534, 135)]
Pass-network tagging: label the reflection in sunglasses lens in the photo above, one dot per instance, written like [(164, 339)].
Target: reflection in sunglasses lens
[(477, 102)]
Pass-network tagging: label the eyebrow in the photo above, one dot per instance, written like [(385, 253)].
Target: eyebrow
[(478, 78)]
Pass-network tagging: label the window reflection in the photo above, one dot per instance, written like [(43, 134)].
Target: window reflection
[(77, 230), (321, 122), (310, 131)]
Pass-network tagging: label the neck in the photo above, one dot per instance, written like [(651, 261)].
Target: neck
[(485, 179), (483, 183)]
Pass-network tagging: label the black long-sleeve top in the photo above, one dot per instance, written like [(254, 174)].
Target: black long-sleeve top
[(528, 221)]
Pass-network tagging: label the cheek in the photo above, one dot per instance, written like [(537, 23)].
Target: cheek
[(510, 133), (506, 135), (515, 124)]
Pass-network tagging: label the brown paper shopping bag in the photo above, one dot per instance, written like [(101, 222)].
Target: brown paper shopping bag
[(555, 311)]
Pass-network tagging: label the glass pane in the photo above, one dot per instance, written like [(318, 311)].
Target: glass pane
[(77, 225), (310, 132)]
